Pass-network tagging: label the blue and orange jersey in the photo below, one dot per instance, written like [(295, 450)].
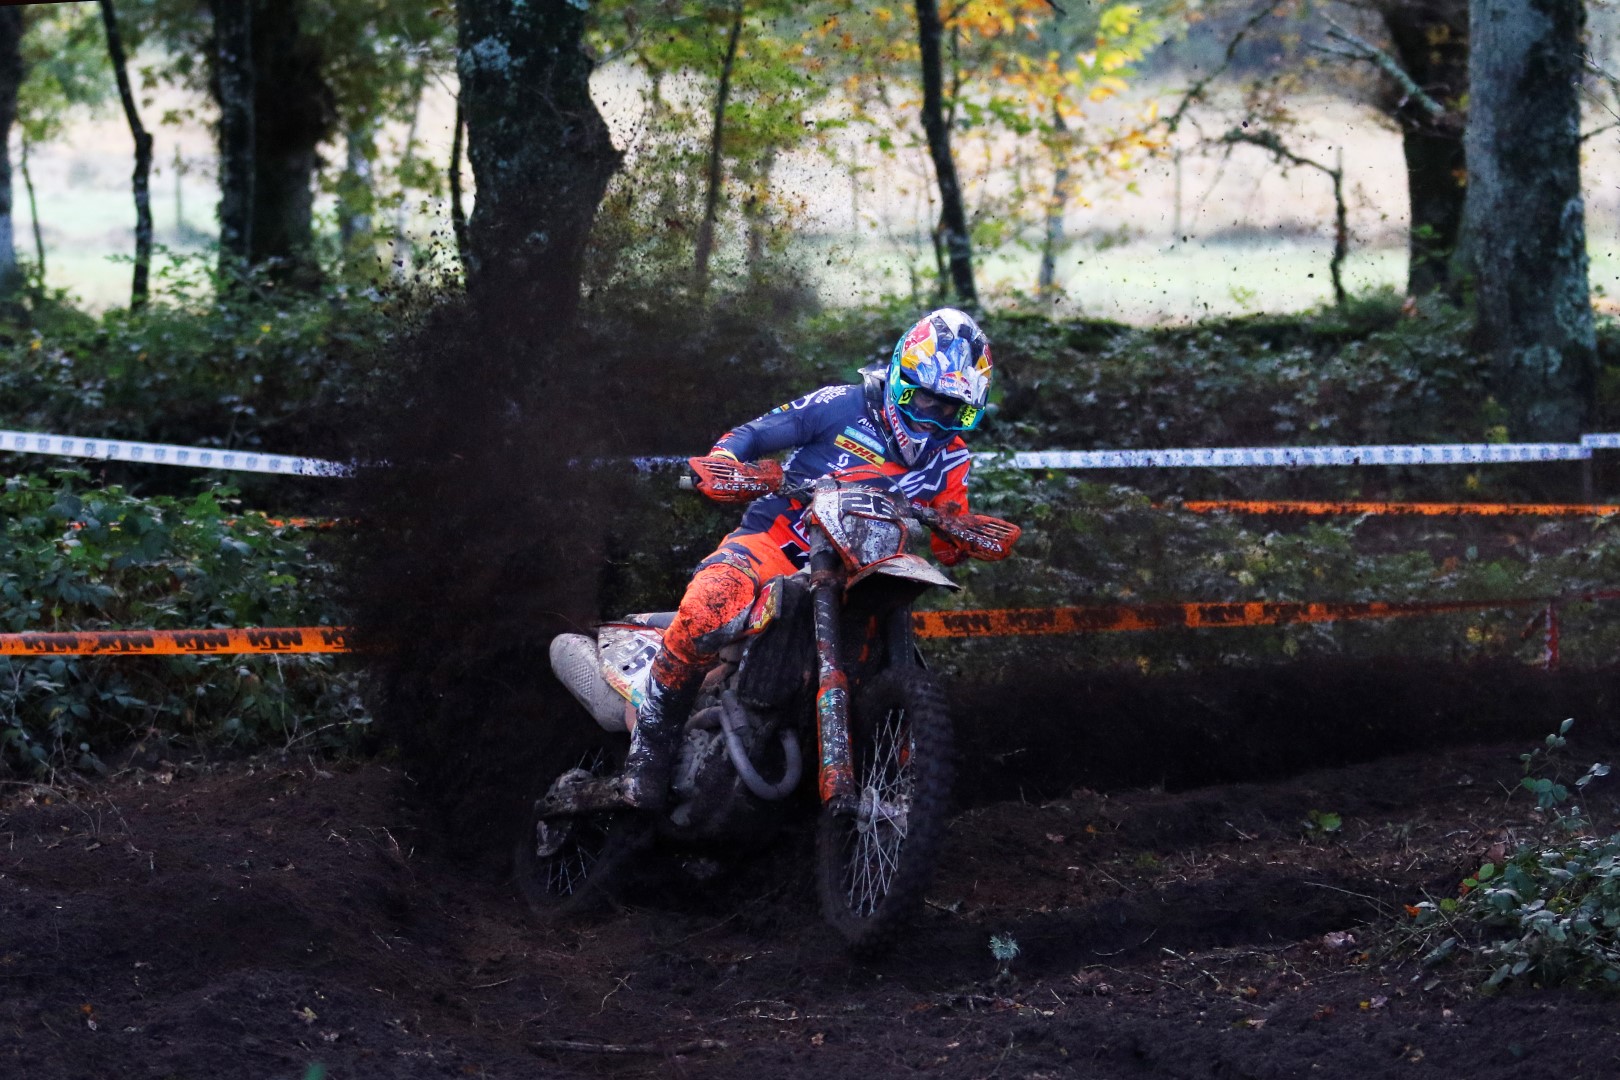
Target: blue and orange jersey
[(834, 431)]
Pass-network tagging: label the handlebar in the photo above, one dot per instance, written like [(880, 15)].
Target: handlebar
[(803, 492), (976, 534)]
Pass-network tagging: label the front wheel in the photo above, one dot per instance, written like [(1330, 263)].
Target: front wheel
[(574, 866), (874, 867)]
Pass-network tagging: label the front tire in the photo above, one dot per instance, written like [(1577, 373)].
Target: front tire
[(873, 868), (573, 867)]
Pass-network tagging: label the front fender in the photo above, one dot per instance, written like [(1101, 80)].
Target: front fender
[(910, 567)]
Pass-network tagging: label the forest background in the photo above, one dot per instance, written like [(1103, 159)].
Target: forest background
[(478, 242)]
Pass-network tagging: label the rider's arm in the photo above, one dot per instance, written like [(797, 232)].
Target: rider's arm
[(952, 498), (798, 422)]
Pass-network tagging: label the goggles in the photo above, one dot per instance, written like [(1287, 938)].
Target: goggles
[(926, 407)]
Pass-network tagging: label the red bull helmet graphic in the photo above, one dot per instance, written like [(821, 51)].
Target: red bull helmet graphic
[(938, 381)]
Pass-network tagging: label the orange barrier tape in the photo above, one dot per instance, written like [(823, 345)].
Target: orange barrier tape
[(293, 523), (274, 523), (279, 639), (1106, 618), (1002, 622), (1410, 509)]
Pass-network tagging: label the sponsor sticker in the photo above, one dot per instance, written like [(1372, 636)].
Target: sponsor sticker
[(866, 454), (864, 438)]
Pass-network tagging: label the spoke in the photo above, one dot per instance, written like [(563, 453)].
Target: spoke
[(568, 869), (872, 854)]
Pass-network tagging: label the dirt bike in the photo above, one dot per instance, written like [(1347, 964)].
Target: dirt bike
[(825, 657)]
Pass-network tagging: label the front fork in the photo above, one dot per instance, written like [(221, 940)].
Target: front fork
[(837, 778)]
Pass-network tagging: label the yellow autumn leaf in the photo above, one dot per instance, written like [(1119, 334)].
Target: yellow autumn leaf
[(1118, 20)]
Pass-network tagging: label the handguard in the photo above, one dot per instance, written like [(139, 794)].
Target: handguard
[(727, 480), (979, 535)]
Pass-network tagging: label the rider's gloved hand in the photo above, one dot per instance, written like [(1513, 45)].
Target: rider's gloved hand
[(946, 552), (977, 535), (725, 479)]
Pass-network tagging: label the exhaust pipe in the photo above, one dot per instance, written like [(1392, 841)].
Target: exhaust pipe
[(578, 666)]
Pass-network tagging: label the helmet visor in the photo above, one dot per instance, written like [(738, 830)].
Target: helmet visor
[(924, 407)]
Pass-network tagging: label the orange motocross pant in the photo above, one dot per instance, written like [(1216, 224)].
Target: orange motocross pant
[(716, 603)]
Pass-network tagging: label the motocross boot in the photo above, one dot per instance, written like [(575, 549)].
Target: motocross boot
[(660, 722)]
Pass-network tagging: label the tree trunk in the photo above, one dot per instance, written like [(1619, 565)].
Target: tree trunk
[(11, 77), (403, 252), (33, 216), (540, 152), (142, 180), (1046, 282), (233, 90), (458, 212), (711, 199), (356, 198), (1525, 219), (293, 113), (953, 228), (1430, 39), (756, 212)]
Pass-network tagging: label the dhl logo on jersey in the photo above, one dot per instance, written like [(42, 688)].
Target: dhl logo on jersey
[(844, 442)]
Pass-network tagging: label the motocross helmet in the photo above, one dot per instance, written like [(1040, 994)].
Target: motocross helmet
[(938, 382)]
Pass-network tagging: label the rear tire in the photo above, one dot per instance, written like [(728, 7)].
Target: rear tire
[(874, 868), (574, 867)]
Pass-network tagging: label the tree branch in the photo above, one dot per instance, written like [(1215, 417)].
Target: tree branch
[(1270, 141), (1372, 54), (1196, 91), (578, 1046)]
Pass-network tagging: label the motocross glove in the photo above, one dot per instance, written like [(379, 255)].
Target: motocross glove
[(725, 479), (979, 535)]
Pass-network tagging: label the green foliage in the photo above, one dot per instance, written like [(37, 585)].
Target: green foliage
[(1004, 949), (1550, 914), (206, 363), (1261, 381), (646, 233), (64, 53), (78, 557), (1322, 823)]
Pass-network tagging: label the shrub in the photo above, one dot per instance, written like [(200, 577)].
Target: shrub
[(78, 557), (1551, 913)]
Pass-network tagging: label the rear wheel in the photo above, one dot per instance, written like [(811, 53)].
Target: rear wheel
[(574, 866), (873, 868)]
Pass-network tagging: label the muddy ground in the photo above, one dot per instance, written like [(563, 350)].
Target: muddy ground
[(253, 918)]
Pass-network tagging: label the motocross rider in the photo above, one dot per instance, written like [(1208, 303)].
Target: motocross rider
[(901, 426)]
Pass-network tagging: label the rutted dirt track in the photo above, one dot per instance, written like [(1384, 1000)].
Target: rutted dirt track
[(248, 920)]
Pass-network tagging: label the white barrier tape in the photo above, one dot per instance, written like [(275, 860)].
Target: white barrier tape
[(192, 457), (1290, 456), (197, 457)]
